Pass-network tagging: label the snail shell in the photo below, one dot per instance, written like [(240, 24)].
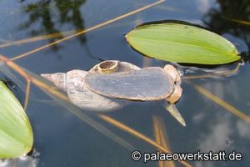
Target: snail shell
[(73, 82)]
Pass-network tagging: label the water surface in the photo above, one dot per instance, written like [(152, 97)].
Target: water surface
[(62, 139)]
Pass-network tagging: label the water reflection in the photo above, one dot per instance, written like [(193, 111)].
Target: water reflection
[(26, 161), (204, 5), (54, 17), (243, 129), (225, 19), (219, 131)]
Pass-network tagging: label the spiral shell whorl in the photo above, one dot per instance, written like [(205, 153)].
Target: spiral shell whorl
[(59, 79)]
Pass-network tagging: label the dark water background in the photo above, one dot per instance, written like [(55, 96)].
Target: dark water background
[(62, 139)]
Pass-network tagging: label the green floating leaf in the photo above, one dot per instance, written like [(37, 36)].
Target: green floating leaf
[(16, 136), (182, 43)]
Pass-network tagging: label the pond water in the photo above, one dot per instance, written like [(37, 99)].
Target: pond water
[(62, 139)]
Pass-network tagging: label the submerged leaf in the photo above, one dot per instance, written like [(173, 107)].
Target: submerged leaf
[(16, 136), (182, 43)]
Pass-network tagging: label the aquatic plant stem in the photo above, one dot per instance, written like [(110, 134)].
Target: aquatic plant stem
[(29, 80), (58, 94), (160, 137), (18, 69), (222, 103), (138, 135), (88, 29)]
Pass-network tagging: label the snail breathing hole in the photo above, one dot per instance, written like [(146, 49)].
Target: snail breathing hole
[(108, 67)]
